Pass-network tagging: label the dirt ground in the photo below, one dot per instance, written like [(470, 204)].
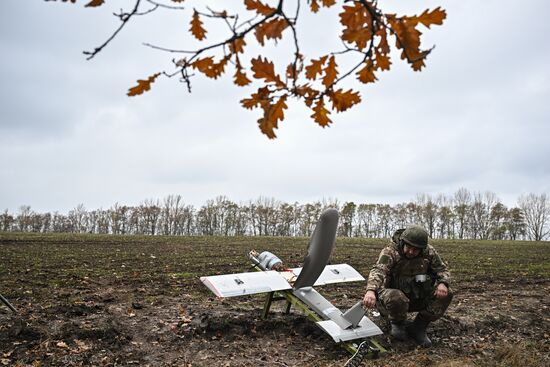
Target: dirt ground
[(85, 301)]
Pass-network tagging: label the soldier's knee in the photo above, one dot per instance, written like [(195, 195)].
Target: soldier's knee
[(448, 298), (395, 301), (437, 307)]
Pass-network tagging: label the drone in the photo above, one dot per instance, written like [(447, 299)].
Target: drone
[(297, 287)]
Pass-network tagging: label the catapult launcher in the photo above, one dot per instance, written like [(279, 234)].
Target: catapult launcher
[(352, 329)]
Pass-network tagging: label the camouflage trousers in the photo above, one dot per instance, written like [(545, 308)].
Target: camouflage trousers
[(394, 304)]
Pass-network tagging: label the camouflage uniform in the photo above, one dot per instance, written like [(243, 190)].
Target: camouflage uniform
[(399, 288)]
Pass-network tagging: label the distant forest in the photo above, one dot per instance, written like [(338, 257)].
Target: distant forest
[(464, 215)]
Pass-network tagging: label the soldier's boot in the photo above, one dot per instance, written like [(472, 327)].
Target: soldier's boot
[(398, 330), (417, 331)]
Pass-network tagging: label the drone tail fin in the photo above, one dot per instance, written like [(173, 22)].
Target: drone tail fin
[(320, 248)]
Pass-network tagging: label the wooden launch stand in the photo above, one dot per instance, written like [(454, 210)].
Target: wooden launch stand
[(373, 348)]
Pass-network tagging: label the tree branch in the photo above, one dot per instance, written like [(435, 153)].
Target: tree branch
[(124, 18)]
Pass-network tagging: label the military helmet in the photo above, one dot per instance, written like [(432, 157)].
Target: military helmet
[(415, 236)]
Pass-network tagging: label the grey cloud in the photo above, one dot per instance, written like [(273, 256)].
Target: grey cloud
[(476, 117)]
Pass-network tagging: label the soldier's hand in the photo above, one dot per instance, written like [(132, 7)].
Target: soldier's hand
[(441, 291), (369, 301)]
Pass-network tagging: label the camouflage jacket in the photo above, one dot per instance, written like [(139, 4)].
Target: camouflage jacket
[(392, 270)]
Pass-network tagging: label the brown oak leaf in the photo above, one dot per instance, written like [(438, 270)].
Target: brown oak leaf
[(259, 7), (328, 3), (272, 114), (203, 64), (436, 17), (209, 68), (95, 3), (264, 69), (330, 72), (383, 45), (366, 74), (237, 45), (315, 68), (357, 23), (320, 114), (341, 101), (272, 29), (314, 6), (383, 61), (196, 27), (307, 92), (240, 77), (258, 98), (142, 86)]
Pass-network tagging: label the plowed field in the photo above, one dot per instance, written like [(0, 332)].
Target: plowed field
[(91, 300)]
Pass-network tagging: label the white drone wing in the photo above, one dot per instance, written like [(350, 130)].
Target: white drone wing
[(339, 273), (232, 285)]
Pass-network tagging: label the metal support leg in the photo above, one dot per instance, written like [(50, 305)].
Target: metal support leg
[(287, 309), (267, 304)]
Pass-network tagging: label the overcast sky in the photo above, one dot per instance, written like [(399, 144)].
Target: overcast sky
[(476, 117)]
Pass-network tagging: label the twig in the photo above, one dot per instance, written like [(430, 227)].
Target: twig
[(166, 6), (124, 18)]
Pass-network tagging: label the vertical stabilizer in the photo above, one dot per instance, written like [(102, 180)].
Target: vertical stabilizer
[(355, 314), (319, 250)]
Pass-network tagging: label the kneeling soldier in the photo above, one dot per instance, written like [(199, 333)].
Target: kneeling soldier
[(409, 276)]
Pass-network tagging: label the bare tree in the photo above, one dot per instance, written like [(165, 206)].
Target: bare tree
[(497, 221), (286, 219), (401, 215), (150, 213), (58, 222), (427, 212), (23, 219), (479, 220), (103, 221), (367, 217), (445, 217), (536, 209), (412, 213), (6, 221), (46, 222), (385, 215), (118, 218), (186, 221), (171, 213), (459, 216), (266, 209), (79, 218), (310, 214), (515, 223), (206, 218), (135, 223), (462, 210), (36, 222), (347, 217)]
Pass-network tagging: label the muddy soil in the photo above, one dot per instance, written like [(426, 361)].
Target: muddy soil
[(108, 320)]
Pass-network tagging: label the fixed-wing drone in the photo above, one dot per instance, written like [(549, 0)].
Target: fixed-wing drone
[(296, 284)]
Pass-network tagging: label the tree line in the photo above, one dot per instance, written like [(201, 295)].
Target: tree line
[(463, 215)]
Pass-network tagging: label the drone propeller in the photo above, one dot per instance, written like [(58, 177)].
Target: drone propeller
[(319, 250)]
